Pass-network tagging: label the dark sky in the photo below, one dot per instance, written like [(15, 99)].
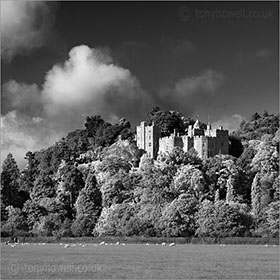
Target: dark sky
[(141, 36), (200, 58)]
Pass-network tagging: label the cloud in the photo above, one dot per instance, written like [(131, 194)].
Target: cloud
[(183, 92), (90, 83), (22, 133), (87, 83), (208, 82), (231, 123), (24, 25), (24, 98)]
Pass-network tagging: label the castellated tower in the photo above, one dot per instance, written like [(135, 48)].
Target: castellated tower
[(209, 142), (147, 138)]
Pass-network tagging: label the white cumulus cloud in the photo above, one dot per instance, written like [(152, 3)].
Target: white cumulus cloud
[(24, 25), (87, 83), (90, 83)]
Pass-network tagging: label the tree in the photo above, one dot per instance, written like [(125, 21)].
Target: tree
[(255, 116), (33, 213), (116, 189), (30, 173), (16, 221), (89, 200), (44, 186), (48, 225), (220, 219), (256, 196), (178, 218), (9, 181), (83, 225), (272, 214), (116, 220), (72, 182), (189, 179), (178, 157)]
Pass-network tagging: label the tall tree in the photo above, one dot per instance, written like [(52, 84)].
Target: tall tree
[(10, 181)]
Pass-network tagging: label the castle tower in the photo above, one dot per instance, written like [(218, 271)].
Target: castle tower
[(147, 138)]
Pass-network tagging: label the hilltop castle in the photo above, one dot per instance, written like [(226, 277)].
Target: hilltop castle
[(207, 142)]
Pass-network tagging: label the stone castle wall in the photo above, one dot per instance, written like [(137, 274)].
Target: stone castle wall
[(207, 143)]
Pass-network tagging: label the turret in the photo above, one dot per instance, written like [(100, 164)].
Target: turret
[(196, 125)]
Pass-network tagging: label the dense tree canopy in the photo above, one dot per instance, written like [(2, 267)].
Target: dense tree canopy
[(96, 181)]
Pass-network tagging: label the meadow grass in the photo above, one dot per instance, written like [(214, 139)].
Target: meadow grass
[(139, 261)]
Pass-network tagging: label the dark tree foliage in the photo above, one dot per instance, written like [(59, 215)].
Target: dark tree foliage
[(258, 126), (179, 157), (90, 198), (235, 146), (255, 117), (73, 182), (10, 182), (168, 121), (44, 186), (93, 124), (33, 212), (76, 143), (30, 173), (104, 133)]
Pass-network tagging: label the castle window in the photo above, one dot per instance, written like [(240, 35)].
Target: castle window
[(150, 144), (150, 137)]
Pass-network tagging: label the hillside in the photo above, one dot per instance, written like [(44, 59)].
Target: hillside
[(97, 182)]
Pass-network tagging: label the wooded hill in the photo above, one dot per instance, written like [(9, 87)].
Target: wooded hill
[(95, 181)]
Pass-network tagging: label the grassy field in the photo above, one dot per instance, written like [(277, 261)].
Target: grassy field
[(139, 261)]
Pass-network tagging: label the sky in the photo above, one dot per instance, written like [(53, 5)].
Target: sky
[(63, 61)]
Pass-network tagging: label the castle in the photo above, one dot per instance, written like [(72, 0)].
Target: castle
[(207, 142)]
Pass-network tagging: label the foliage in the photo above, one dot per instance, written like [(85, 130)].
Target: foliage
[(83, 225), (258, 126), (104, 133), (220, 219), (10, 181), (168, 121), (96, 181), (15, 222)]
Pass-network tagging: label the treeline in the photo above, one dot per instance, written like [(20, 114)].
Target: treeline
[(96, 182)]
